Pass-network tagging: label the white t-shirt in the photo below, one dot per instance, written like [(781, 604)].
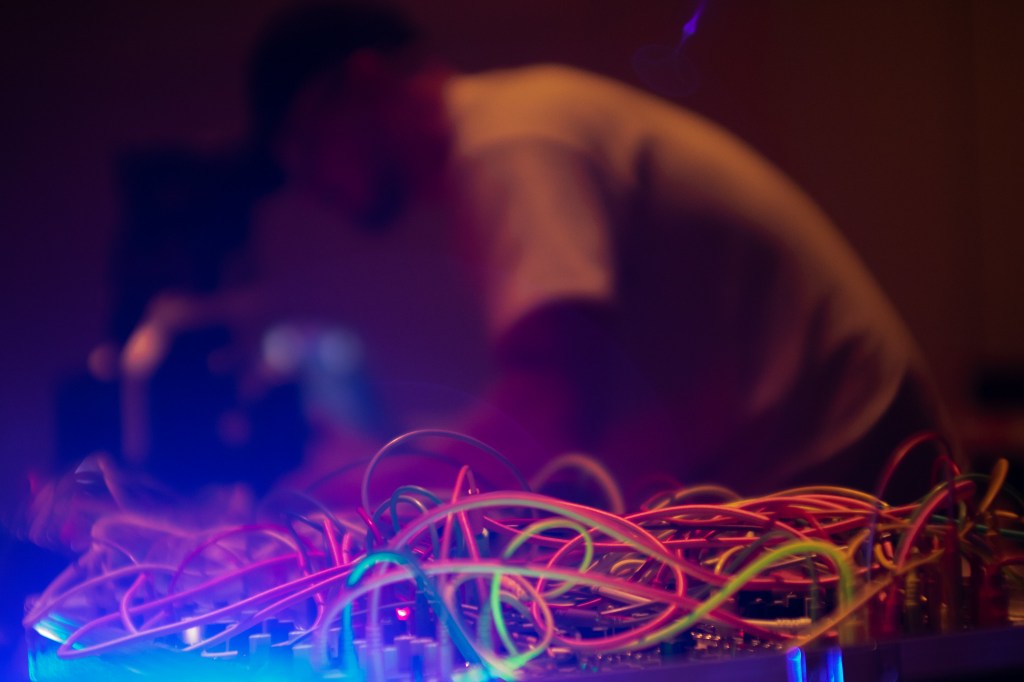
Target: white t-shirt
[(744, 309)]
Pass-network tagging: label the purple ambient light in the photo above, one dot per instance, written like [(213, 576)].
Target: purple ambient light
[(665, 69), (690, 27)]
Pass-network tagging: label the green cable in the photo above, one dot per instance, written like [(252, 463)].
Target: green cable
[(402, 493), (400, 496), (518, 660), (424, 584), (847, 634), (1016, 534), (1006, 488), (815, 589), (940, 489), (598, 521), (741, 556), (846, 591)]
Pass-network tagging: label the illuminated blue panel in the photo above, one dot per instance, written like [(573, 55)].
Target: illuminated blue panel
[(796, 665), (156, 665), (834, 665)]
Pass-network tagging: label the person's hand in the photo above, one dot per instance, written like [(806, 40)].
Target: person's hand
[(167, 315), (61, 511)]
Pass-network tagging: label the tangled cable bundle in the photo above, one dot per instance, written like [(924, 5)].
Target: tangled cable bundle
[(511, 584)]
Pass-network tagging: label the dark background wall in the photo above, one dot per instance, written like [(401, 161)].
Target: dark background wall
[(902, 117)]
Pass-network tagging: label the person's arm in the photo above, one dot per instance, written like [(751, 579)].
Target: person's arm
[(556, 373), (540, 238), (56, 511)]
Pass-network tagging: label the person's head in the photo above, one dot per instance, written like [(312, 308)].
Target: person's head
[(342, 97)]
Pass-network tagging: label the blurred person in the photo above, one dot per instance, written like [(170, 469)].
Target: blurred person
[(654, 292)]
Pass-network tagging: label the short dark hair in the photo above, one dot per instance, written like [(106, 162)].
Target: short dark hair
[(304, 43)]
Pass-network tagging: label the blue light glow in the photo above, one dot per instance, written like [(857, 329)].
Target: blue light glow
[(55, 628), (163, 666), (796, 665), (834, 665)]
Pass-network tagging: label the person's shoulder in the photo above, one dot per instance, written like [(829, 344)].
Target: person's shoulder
[(551, 73), (549, 102), (551, 83)]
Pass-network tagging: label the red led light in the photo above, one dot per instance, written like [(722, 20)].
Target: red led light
[(402, 612)]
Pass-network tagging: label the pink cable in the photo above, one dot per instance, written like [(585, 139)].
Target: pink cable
[(215, 540)]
